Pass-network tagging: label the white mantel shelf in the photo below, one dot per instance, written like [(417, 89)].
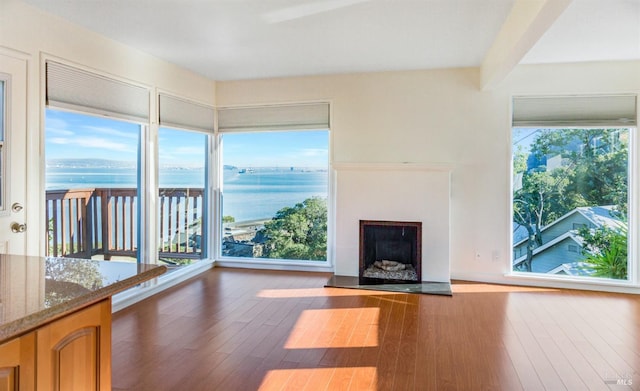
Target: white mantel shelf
[(408, 166)]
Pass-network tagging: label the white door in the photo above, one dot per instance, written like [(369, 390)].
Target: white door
[(13, 130)]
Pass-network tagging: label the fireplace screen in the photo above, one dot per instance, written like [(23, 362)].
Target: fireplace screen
[(390, 252)]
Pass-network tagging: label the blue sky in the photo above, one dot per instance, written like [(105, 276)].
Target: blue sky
[(280, 149), (77, 136)]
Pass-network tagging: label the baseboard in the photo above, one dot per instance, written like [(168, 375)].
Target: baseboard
[(548, 282)]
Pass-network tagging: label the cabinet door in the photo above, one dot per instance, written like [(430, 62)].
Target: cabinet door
[(17, 360), (74, 353)]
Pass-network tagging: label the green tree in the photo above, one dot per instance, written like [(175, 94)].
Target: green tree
[(597, 162), (592, 171), (298, 232), (66, 276), (536, 204), (606, 251)]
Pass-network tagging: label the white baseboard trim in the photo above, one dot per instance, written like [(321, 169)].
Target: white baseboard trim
[(547, 282)]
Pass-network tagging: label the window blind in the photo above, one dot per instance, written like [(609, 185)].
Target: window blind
[(277, 117), (554, 111), (76, 89), (178, 113)]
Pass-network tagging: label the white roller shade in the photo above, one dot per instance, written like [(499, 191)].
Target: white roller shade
[(279, 117), (597, 110), (76, 89), (178, 113)]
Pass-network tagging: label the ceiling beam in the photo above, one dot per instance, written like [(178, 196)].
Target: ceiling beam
[(525, 25)]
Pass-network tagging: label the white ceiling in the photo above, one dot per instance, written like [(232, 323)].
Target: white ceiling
[(246, 39)]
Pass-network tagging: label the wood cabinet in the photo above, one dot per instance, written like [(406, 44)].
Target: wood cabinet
[(17, 364), (71, 353)]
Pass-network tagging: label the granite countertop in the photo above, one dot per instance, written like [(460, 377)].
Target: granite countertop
[(35, 290)]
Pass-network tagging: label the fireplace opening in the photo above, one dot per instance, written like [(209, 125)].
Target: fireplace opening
[(390, 252)]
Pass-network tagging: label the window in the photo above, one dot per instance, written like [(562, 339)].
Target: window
[(182, 205), (572, 174), (94, 165), (588, 185), (183, 138), (274, 190), (274, 195), (92, 186), (2, 142)]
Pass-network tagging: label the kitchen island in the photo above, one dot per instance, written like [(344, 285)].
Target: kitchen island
[(55, 320)]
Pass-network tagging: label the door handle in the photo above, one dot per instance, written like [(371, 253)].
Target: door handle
[(17, 228)]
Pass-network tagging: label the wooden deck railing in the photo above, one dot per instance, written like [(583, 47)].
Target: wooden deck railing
[(86, 222)]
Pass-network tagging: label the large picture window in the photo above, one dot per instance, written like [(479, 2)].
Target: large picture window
[(570, 201), (275, 187), (93, 130), (92, 186), (571, 208)]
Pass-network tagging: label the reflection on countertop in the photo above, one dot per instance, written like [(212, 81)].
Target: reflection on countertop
[(37, 290)]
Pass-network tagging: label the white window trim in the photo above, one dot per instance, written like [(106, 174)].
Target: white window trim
[(633, 266)]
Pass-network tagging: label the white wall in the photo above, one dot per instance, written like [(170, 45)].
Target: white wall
[(441, 116), (35, 36), (394, 192)]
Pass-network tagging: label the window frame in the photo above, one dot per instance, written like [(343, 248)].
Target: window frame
[(5, 80), (207, 210), (633, 198), (632, 215), (284, 264), (599, 110)]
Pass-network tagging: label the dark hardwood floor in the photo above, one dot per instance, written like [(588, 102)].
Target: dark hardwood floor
[(234, 329)]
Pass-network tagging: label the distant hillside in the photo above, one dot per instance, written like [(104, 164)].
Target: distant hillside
[(99, 163), (90, 163)]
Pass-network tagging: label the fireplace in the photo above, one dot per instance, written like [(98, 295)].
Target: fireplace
[(390, 252)]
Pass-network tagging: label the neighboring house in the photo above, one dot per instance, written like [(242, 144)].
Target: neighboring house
[(561, 250)]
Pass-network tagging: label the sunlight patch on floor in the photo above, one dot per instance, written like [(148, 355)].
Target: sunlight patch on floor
[(335, 328), (356, 378)]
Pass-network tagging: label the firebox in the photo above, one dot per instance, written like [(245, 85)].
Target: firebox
[(390, 252)]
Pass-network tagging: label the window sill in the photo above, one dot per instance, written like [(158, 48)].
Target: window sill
[(157, 285), (277, 264), (587, 283)]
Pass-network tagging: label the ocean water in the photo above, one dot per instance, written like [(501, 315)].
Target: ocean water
[(253, 195), (261, 193)]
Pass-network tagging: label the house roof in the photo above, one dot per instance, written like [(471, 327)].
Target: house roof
[(246, 39), (599, 216), (567, 235), (574, 269)]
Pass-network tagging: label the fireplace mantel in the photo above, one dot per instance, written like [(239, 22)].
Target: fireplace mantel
[(394, 192)]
